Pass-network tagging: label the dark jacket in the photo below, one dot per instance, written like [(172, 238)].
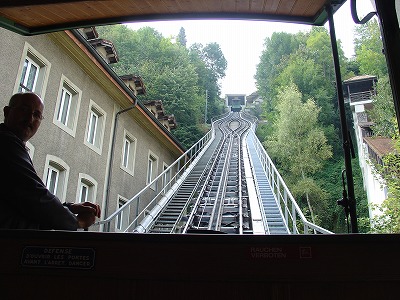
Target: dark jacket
[(26, 203)]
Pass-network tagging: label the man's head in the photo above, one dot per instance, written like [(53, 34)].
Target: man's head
[(23, 114)]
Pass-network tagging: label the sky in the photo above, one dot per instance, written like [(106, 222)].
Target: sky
[(242, 42)]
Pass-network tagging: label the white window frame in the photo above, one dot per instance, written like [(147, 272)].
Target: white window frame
[(83, 187), (35, 58), (24, 78), (57, 164), (152, 168), (122, 220), (92, 128), (63, 112), (91, 184), (98, 114), (67, 87), (128, 153), (53, 175)]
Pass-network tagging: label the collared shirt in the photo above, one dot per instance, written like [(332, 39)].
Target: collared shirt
[(25, 202)]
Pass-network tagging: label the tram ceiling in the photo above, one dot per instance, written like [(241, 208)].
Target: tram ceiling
[(30, 17)]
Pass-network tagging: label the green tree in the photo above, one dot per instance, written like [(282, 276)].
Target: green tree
[(215, 60), (299, 143), (383, 114), (305, 60), (182, 37), (368, 48), (276, 48), (207, 78)]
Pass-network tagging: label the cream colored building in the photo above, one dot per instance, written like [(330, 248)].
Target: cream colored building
[(93, 144)]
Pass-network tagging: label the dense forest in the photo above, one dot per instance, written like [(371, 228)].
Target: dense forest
[(299, 120)]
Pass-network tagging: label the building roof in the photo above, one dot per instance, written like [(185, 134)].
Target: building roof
[(137, 81), (42, 16), (108, 46), (360, 78), (380, 145)]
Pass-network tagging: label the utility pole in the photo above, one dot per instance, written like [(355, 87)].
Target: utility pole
[(205, 113)]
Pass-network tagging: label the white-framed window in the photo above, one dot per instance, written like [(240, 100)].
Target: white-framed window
[(67, 106), (152, 167), (29, 76), (122, 221), (166, 178), (92, 129), (83, 192), (95, 127), (87, 189), (55, 176), (33, 72), (128, 153)]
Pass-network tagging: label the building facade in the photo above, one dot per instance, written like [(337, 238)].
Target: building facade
[(359, 92), (94, 144)]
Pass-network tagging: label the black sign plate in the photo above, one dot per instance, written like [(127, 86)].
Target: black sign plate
[(58, 257)]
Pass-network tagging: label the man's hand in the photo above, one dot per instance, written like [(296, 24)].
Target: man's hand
[(85, 207), (86, 213)]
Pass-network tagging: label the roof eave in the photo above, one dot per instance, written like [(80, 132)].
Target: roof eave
[(319, 20)]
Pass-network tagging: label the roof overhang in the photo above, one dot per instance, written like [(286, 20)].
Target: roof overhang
[(30, 17)]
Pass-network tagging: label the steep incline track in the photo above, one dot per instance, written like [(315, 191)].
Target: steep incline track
[(214, 196)]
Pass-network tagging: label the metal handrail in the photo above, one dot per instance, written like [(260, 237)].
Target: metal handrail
[(158, 190), (288, 205)]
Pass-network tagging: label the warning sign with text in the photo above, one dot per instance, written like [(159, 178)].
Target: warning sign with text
[(58, 257)]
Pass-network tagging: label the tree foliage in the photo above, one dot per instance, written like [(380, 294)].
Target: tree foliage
[(276, 49), (369, 49), (383, 114), (299, 143), (181, 38), (389, 219), (172, 73), (301, 65)]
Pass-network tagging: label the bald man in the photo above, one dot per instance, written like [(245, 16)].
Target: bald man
[(25, 202)]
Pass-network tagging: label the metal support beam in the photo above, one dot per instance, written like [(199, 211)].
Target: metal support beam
[(343, 123), (391, 41)]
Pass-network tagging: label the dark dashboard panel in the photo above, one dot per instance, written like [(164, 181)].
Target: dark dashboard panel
[(200, 265)]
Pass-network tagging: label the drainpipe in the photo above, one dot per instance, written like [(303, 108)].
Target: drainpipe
[(110, 164), (344, 128)]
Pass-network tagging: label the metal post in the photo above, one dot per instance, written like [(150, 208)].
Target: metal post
[(286, 207), (343, 123), (294, 219), (205, 113)]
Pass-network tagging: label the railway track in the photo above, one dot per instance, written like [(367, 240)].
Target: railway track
[(213, 197)]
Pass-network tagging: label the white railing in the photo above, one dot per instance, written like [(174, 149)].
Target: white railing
[(152, 197), (292, 213)]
